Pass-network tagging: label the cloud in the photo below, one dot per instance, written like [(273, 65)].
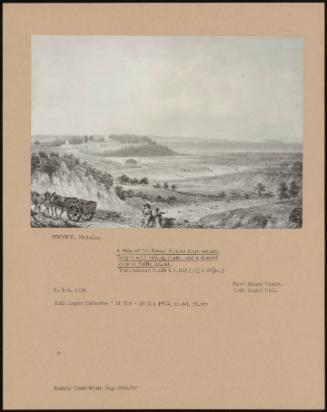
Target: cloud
[(237, 87)]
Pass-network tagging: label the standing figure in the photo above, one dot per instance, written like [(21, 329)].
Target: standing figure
[(158, 218), (147, 219)]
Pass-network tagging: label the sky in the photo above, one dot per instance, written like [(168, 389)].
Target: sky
[(238, 88)]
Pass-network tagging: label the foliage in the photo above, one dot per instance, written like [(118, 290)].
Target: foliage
[(235, 195), (132, 162), (221, 195), (171, 199), (70, 160), (45, 164), (148, 149), (260, 189), (169, 222), (295, 217), (144, 181), (50, 164), (294, 189), (283, 191), (259, 220), (120, 192), (124, 180)]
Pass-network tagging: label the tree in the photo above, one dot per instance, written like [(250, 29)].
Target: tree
[(107, 180), (131, 162), (50, 166), (130, 193), (294, 189), (43, 155), (144, 181), (173, 188), (123, 179), (283, 191), (35, 163), (260, 189), (70, 160), (120, 192), (166, 185)]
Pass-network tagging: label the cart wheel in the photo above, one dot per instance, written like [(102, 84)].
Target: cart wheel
[(74, 213), (88, 216)]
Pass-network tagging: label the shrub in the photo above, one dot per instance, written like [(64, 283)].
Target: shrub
[(120, 192), (283, 191), (171, 199), (294, 189), (221, 195), (295, 218), (134, 181), (50, 164), (144, 181), (123, 179), (129, 193), (169, 222), (235, 195), (131, 162), (259, 220), (260, 189), (35, 163)]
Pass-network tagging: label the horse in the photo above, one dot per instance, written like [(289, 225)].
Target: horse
[(61, 203), (57, 202), (39, 200)]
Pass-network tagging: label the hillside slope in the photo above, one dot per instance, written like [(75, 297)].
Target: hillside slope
[(141, 150), (77, 181)]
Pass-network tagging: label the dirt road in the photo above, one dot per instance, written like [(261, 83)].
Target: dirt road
[(193, 213)]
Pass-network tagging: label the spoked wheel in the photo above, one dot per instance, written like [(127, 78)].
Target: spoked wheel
[(88, 216), (74, 213)]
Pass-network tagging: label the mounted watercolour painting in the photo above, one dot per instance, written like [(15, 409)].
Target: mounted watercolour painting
[(167, 132)]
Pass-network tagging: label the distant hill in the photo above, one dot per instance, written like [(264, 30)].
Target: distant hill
[(130, 138), (150, 149), (194, 145)]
